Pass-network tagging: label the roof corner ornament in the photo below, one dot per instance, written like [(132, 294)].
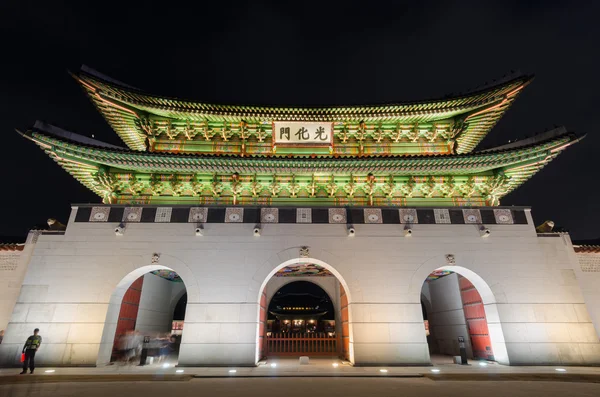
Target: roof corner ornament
[(304, 252), (450, 260), (155, 258)]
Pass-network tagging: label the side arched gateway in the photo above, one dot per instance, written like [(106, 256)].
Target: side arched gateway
[(457, 302), (149, 302)]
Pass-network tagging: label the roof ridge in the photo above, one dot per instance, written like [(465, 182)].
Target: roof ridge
[(526, 79)]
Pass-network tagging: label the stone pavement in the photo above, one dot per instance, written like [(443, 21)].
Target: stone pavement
[(302, 387), (288, 367)]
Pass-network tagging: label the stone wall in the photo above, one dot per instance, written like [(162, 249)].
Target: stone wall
[(447, 317), (157, 304), (14, 259), (534, 304), (588, 279)]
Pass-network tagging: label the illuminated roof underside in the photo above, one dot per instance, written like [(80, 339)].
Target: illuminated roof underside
[(453, 125), (125, 176)]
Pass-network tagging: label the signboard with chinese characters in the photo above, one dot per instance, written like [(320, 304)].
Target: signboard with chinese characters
[(299, 133)]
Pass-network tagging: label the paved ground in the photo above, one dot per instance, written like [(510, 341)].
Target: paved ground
[(286, 367), (303, 387)]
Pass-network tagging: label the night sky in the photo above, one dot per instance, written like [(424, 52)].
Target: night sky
[(301, 53)]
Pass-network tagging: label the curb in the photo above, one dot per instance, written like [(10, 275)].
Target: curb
[(26, 379), (541, 377)]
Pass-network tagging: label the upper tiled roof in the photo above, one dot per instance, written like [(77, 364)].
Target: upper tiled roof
[(124, 107)]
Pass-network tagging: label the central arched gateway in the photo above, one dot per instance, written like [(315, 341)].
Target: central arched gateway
[(299, 327)]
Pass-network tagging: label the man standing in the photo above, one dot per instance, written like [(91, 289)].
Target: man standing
[(31, 347)]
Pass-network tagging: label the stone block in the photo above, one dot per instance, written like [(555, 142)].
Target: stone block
[(393, 313), (371, 332), (85, 333), (590, 353), (18, 333), (388, 353), (558, 332), (238, 333), (40, 313), (583, 316), (248, 312), (555, 313), (10, 354), (19, 314), (84, 353), (53, 354), (33, 293), (197, 354), (55, 333), (569, 353), (201, 333), (516, 313), (451, 317), (544, 353), (514, 332), (582, 333), (91, 313), (65, 313), (407, 333)]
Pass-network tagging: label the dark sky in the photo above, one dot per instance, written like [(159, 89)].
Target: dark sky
[(300, 53)]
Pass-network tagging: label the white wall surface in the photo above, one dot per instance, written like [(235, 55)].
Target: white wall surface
[(588, 277), (155, 313), (13, 266), (534, 304), (447, 317)]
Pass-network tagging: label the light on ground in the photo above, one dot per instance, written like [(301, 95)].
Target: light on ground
[(165, 365), (232, 371), (435, 370), (483, 364), (383, 370), (179, 371), (273, 365), (49, 371), (334, 365), (560, 370)]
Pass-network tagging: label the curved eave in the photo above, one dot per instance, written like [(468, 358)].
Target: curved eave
[(83, 162), (121, 106)]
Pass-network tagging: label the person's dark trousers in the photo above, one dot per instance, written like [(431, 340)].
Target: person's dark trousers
[(29, 360)]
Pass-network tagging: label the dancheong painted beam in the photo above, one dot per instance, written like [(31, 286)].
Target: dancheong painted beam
[(452, 125), (121, 175)]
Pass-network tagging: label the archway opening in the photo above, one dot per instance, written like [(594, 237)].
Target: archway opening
[(303, 312), (453, 310), (301, 307), (147, 316)]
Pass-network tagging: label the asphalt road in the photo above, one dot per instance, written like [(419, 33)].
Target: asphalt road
[(305, 387)]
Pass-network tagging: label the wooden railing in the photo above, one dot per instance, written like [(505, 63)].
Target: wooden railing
[(310, 344)]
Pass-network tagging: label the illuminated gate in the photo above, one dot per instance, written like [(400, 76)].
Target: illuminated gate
[(301, 344)]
